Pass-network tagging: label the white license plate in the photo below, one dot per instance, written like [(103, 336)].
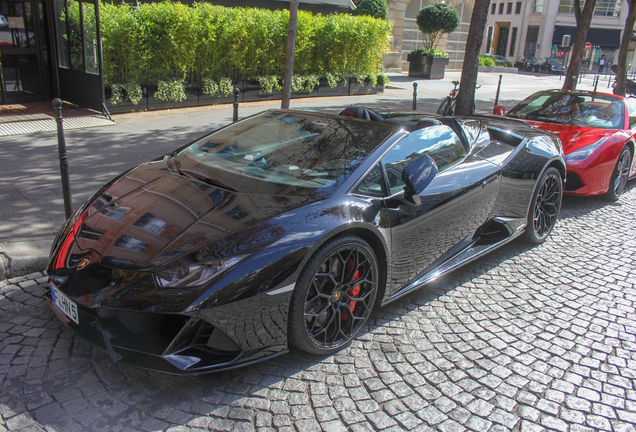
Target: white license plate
[(65, 304)]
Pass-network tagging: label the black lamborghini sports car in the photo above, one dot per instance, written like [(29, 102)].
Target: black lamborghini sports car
[(288, 227)]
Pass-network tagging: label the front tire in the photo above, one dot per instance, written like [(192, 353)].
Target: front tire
[(620, 175), (334, 296), (545, 206)]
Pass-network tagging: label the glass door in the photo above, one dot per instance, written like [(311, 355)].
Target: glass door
[(21, 55)]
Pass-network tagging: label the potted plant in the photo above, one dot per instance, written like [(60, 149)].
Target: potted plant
[(433, 21)]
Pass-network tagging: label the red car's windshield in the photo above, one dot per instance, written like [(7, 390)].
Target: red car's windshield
[(573, 108)]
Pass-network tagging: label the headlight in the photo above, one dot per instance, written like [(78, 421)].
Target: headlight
[(584, 152), (188, 273)]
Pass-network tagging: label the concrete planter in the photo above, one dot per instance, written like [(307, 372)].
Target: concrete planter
[(498, 69), (426, 67)]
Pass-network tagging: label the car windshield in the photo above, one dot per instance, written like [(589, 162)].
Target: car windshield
[(284, 153), (554, 62), (573, 108)]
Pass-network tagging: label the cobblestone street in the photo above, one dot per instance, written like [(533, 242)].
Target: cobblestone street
[(525, 339)]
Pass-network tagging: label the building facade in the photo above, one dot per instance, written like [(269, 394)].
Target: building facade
[(407, 36), (536, 28)]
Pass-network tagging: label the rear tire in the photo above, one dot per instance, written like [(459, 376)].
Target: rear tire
[(620, 175), (544, 207), (446, 107), (334, 296)]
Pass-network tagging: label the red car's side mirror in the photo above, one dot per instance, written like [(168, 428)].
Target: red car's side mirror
[(499, 110)]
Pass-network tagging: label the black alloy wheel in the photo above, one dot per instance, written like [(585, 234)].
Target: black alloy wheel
[(545, 206), (334, 296), (620, 175)]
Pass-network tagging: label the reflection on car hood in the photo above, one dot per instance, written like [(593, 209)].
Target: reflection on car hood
[(151, 216), (572, 137)]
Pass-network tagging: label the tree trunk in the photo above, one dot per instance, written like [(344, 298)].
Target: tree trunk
[(583, 21), (466, 95), (621, 72), (289, 61)]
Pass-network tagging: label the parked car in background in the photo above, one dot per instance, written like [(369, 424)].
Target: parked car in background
[(289, 227), (548, 65), (597, 132), (525, 63)]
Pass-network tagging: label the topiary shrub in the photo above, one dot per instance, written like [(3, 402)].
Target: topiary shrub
[(487, 61), (435, 20), (375, 8)]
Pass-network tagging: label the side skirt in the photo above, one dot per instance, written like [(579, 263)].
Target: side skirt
[(472, 252)]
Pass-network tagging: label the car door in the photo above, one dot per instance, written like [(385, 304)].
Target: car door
[(457, 202), (631, 111)]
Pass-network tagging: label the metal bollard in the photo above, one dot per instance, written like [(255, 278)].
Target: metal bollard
[(61, 149), (609, 79), (595, 82), (236, 104), (414, 96), (498, 89)]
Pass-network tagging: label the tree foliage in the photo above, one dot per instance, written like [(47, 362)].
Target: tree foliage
[(172, 42), (375, 8), (435, 20)]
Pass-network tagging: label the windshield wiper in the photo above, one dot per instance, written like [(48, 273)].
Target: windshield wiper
[(204, 179), (195, 176)]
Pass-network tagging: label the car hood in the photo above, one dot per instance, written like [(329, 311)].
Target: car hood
[(572, 137), (150, 216)]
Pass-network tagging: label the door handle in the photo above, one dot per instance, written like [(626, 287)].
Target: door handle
[(489, 180)]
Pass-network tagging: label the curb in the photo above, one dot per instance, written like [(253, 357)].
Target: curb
[(23, 258)]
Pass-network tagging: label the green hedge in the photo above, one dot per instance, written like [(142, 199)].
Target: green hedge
[(173, 42)]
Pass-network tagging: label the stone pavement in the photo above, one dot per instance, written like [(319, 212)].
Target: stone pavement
[(524, 339)]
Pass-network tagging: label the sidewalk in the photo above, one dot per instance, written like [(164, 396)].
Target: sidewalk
[(18, 119), (31, 204)]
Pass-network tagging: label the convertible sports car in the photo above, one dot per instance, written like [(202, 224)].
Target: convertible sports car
[(288, 227), (597, 133)]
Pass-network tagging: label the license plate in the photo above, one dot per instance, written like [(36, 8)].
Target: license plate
[(65, 304)]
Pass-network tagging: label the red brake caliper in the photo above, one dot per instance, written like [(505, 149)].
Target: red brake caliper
[(355, 291)]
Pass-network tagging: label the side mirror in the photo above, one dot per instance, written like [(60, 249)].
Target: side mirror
[(417, 175), (499, 110)]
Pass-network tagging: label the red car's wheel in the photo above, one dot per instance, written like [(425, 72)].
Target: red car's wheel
[(620, 175)]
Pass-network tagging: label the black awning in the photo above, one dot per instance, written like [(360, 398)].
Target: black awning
[(604, 38)]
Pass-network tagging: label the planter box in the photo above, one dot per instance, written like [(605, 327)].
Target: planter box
[(426, 67), (191, 91), (304, 93), (125, 106), (357, 88), (251, 92), (341, 88), (498, 69), (220, 98)]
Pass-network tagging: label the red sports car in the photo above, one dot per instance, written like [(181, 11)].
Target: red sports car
[(597, 132)]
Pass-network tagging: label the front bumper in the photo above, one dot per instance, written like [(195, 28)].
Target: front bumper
[(174, 343)]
